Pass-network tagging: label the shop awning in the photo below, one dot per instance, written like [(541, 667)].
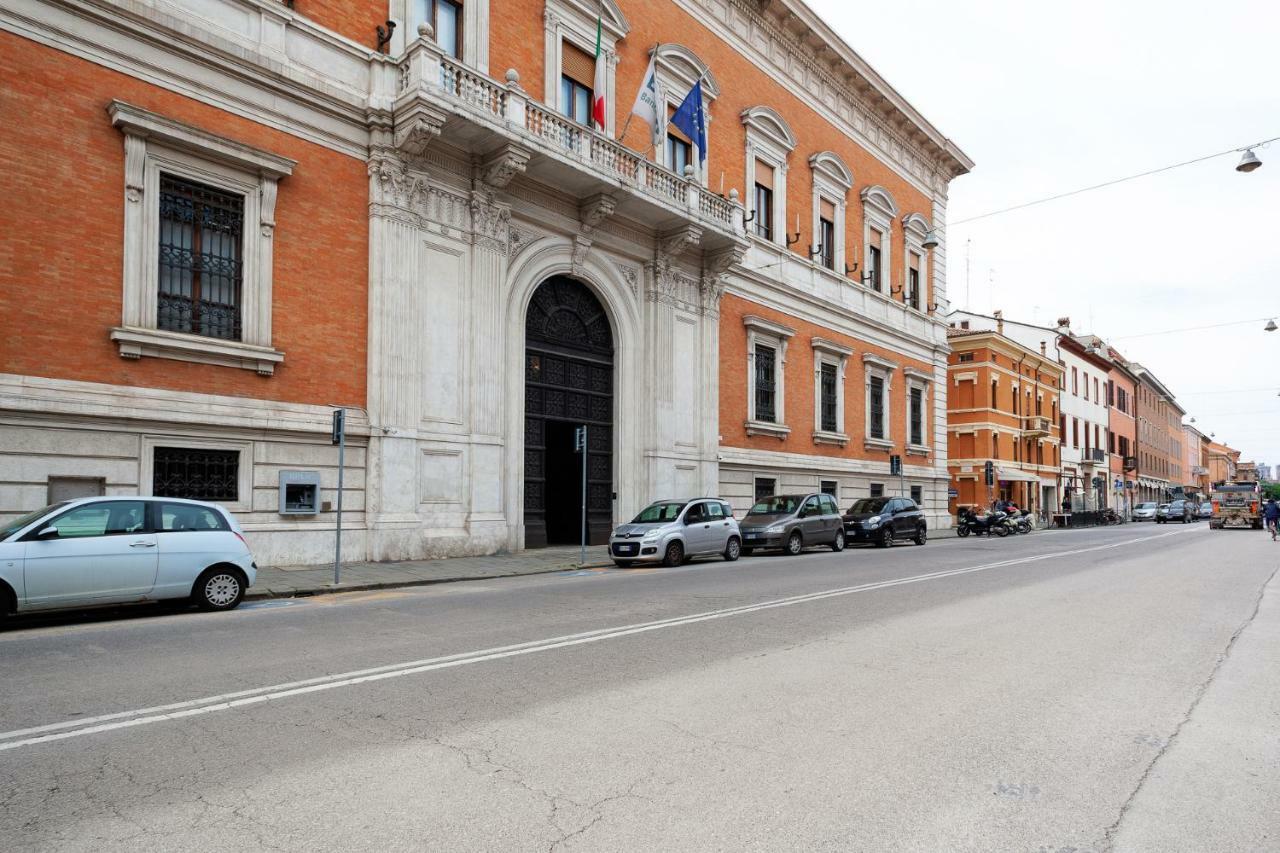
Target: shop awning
[(1014, 475)]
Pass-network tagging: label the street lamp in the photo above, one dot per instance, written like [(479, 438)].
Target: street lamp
[(1248, 162), (1270, 327)]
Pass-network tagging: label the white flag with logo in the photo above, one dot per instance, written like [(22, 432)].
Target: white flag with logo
[(646, 106)]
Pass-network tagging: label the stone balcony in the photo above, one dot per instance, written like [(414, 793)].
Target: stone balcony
[(1035, 426), (434, 95)]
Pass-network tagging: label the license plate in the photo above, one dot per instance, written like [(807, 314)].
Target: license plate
[(625, 549)]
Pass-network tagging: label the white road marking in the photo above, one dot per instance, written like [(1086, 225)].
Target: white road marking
[(239, 699)]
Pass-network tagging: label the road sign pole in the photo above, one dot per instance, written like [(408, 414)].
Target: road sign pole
[(340, 437), (582, 446)]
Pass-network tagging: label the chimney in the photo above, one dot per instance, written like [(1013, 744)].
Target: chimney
[(999, 315), (1042, 348)]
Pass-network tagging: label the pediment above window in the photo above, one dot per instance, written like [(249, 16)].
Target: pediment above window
[(827, 164), (679, 65), (766, 122), (880, 199)]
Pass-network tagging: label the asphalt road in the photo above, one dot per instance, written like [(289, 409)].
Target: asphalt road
[(1068, 691)]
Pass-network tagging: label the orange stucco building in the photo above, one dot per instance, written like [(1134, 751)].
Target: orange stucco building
[(1002, 408)]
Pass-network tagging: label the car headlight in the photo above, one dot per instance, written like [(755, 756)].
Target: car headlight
[(649, 538), (873, 521), (777, 528)]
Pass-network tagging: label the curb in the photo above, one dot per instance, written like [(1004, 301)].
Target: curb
[(330, 589)]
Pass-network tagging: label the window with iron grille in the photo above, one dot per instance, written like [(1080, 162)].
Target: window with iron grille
[(766, 386), (876, 388), (917, 416), (917, 495), (765, 487), (830, 487), (201, 263), (877, 490), (196, 473), (829, 407)]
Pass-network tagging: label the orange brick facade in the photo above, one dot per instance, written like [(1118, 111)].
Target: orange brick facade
[(61, 282)]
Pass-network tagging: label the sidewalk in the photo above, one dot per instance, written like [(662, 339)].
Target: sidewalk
[(290, 581)]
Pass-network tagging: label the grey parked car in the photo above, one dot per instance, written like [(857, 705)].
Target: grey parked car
[(1179, 511), (671, 532), (793, 523)]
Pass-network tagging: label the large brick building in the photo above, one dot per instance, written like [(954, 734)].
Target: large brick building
[(269, 209), (1004, 399)]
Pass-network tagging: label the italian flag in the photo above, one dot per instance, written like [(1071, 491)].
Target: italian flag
[(600, 85)]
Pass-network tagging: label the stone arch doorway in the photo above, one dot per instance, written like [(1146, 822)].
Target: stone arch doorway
[(568, 371)]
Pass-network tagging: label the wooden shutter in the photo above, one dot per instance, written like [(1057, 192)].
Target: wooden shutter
[(828, 211), (875, 238), (578, 65)]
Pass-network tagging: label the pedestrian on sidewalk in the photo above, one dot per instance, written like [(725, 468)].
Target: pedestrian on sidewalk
[(1271, 512)]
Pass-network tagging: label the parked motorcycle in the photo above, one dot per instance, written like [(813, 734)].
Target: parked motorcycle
[(1024, 522), (990, 524)]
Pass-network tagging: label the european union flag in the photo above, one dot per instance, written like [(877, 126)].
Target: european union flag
[(692, 121)]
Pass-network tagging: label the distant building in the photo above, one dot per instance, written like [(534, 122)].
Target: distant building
[(1002, 409)]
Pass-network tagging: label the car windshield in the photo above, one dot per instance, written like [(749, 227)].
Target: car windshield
[(777, 505), (1145, 505), (658, 512), (19, 523), (872, 505)]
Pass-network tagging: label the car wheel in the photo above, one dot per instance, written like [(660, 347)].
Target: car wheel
[(837, 544), (922, 535), (674, 555), (622, 564), (747, 552), (219, 588), (8, 603), (795, 543), (733, 549), (886, 538)]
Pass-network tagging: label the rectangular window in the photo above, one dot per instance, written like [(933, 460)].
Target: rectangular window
[(965, 357), (577, 76), (1111, 393), (1075, 382), (827, 235), (830, 487), (1075, 432), (877, 490), (995, 393), (764, 201), (913, 280), (1086, 386), (829, 382), (765, 487), (917, 416), (197, 474), (201, 263), (766, 386), (445, 17), (679, 153), (875, 386), (1096, 398), (873, 261), (917, 495)]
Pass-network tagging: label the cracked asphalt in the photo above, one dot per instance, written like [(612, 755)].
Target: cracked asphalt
[(1117, 694)]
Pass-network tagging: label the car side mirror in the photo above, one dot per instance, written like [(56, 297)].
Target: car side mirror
[(49, 532)]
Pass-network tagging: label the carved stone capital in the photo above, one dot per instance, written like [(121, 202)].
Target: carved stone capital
[(581, 245), (717, 263), (490, 223), (505, 163), (595, 210)]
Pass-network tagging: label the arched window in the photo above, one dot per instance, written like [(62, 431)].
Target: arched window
[(769, 143), (878, 212), (832, 181)]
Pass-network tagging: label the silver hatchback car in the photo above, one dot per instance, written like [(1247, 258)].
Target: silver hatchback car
[(671, 532), (114, 550)]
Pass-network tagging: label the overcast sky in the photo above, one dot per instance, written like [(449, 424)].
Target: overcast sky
[(1047, 98)]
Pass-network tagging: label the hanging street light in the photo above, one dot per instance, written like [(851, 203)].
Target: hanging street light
[(930, 239), (1270, 327), (1248, 162)]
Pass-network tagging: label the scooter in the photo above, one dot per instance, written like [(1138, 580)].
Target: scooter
[(993, 523)]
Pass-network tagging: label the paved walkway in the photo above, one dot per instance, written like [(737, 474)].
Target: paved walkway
[(288, 581)]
